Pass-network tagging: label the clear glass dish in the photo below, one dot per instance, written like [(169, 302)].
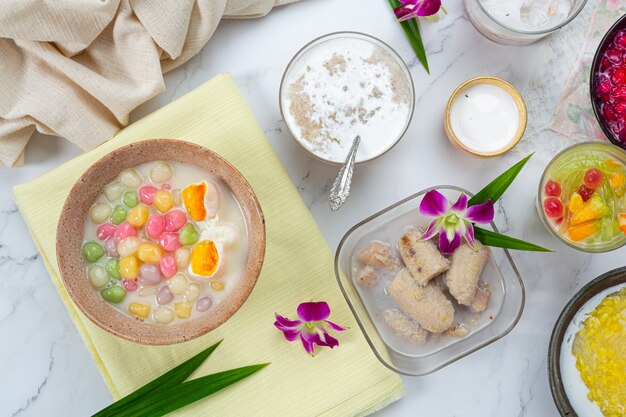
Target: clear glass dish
[(494, 30), (500, 274), (570, 152)]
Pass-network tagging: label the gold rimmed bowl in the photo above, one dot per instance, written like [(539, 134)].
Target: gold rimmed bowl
[(457, 139)]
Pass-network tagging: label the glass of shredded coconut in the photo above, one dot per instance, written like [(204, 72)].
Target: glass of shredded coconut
[(343, 85)]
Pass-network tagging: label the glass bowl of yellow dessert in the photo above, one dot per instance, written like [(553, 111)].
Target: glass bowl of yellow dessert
[(587, 353)]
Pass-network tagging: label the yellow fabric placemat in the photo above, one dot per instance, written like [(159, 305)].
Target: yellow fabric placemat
[(345, 381)]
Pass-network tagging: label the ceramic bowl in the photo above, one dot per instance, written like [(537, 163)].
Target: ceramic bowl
[(595, 80), (71, 226), (603, 282)]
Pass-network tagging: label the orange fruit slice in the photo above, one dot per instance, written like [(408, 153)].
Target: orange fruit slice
[(193, 200), (204, 258), (583, 231)]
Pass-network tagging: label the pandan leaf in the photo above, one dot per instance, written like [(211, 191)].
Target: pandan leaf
[(412, 31), (160, 403), (494, 190), (490, 238), (166, 381)]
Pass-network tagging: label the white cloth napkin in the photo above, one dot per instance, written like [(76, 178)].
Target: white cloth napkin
[(76, 68)]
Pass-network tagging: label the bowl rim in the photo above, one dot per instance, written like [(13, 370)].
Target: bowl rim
[(571, 17), (358, 319), (540, 192), (369, 38), (70, 261), (595, 64), (560, 327), (520, 104)]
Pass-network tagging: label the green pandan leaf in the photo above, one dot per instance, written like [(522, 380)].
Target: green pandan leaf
[(165, 382), (161, 403), (168, 392), (412, 31), (489, 238), (494, 190)]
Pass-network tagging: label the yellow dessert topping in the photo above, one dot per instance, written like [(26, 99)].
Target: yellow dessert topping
[(600, 351)]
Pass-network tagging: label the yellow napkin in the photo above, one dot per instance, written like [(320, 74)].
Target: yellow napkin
[(345, 381)]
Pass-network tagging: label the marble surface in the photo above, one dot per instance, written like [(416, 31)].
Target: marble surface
[(46, 369)]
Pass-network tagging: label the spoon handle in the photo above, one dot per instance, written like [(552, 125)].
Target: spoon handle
[(341, 187)]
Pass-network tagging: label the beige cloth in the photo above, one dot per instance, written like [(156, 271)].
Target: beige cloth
[(76, 68)]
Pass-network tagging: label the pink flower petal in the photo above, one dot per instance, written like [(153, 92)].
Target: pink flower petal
[(334, 326), (481, 213), (283, 321), (432, 230), (461, 203), (415, 8), (469, 235), (447, 246), (291, 335), (308, 346), (434, 204), (313, 311), (328, 340)]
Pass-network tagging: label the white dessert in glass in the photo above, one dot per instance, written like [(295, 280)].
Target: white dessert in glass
[(343, 85)]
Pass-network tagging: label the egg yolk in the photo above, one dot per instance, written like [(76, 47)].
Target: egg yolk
[(204, 258), (193, 200), (600, 351)]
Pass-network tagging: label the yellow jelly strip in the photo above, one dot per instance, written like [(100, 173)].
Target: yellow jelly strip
[(618, 180)]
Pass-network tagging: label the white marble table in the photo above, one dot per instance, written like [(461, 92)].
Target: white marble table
[(46, 370)]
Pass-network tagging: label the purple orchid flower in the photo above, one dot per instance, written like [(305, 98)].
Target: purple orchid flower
[(310, 329), (414, 8), (453, 223)]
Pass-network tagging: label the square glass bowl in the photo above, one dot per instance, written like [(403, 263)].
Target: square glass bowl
[(500, 275)]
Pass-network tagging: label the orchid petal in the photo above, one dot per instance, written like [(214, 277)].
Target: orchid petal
[(451, 230), (434, 204), (287, 328), (314, 311), (480, 213), (334, 326), (415, 8), (285, 322), (311, 335), (329, 341), (446, 245), (469, 235), (291, 335), (405, 12), (433, 229), (308, 346), (461, 204)]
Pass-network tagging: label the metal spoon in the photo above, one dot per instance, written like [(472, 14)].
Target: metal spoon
[(341, 187)]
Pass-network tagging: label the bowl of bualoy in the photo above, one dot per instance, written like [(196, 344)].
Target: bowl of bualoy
[(160, 241)]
